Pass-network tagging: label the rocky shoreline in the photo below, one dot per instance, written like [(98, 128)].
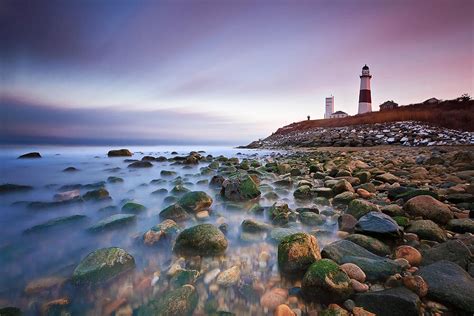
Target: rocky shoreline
[(397, 133), (366, 231)]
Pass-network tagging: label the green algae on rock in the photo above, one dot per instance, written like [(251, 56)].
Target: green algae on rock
[(201, 240), (240, 189), (297, 252), (195, 201), (326, 282), (132, 207), (181, 301), (102, 265)]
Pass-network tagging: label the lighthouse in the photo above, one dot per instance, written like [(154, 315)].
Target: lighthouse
[(365, 100)]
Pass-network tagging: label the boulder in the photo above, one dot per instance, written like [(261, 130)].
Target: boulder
[(201, 240), (11, 188), (392, 302), (359, 208), (311, 219), (195, 201), (175, 212), (56, 222), (164, 230), (378, 224), (120, 153), (30, 155), (449, 284), (428, 207), (342, 186), (452, 250), (461, 225), (131, 207), (140, 164), (297, 252), (181, 301), (326, 282), (102, 265), (113, 221), (370, 243), (426, 229), (253, 226), (240, 189), (375, 269), (303, 193), (99, 194), (338, 249)]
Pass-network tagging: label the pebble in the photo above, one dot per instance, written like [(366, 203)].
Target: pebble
[(409, 253), (273, 298), (358, 286), (229, 277), (416, 284), (354, 272), (364, 193), (211, 275), (202, 215), (283, 310)]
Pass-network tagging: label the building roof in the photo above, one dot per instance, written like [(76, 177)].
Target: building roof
[(365, 67), (339, 112), (388, 102)]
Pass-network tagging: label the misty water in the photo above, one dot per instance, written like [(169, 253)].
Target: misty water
[(56, 251)]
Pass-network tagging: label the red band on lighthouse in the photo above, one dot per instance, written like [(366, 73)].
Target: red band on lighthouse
[(365, 98)]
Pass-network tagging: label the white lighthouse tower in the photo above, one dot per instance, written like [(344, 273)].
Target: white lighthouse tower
[(329, 107), (365, 99)]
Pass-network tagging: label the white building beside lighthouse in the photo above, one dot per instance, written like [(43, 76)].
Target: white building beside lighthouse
[(329, 107), (365, 99)]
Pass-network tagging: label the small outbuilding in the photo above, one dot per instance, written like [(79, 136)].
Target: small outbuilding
[(388, 105), (339, 114)]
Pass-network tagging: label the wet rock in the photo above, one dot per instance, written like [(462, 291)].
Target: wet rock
[(342, 186), (375, 269), (416, 284), (279, 233), (216, 181), (450, 284), (140, 164), (427, 229), (325, 282), (311, 219), (387, 177), (179, 189), (273, 298), (181, 301), (359, 208), (391, 302), (166, 230), (240, 189), (229, 277), (111, 222), (378, 224), (341, 248), (201, 240), (132, 207), (303, 193), (99, 194), (283, 310), (30, 155), (370, 243), (393, 210), (37, 286), (253, 226), (175, 212), (11, 188), (279, 214), (184, 276), (195, 201), (461, 225), (114, 180), (344, 198), (409, 253), (324, 192), (354, 272), (56, 222), (452, 250), (429, 208), (120, 153), (102, 265), (347, 223), (297, 252)]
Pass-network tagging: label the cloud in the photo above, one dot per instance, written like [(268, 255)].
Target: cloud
[(25, 121)]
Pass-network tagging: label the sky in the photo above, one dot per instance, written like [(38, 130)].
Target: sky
[(217, 72)]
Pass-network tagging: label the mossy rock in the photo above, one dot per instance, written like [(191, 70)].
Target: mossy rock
[(99, 194), (55, 222), (303, 193), (102, 265), (132, 207), (195, 201), (402, 220), (311, 219), (181, 301), (297, 252), (253, 226), (359, 208), (175, 212), (183, 277), (325, 282), (113, 221), (179, 189), (370, 243), (241, 188), (201, 240), (120, 153)]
